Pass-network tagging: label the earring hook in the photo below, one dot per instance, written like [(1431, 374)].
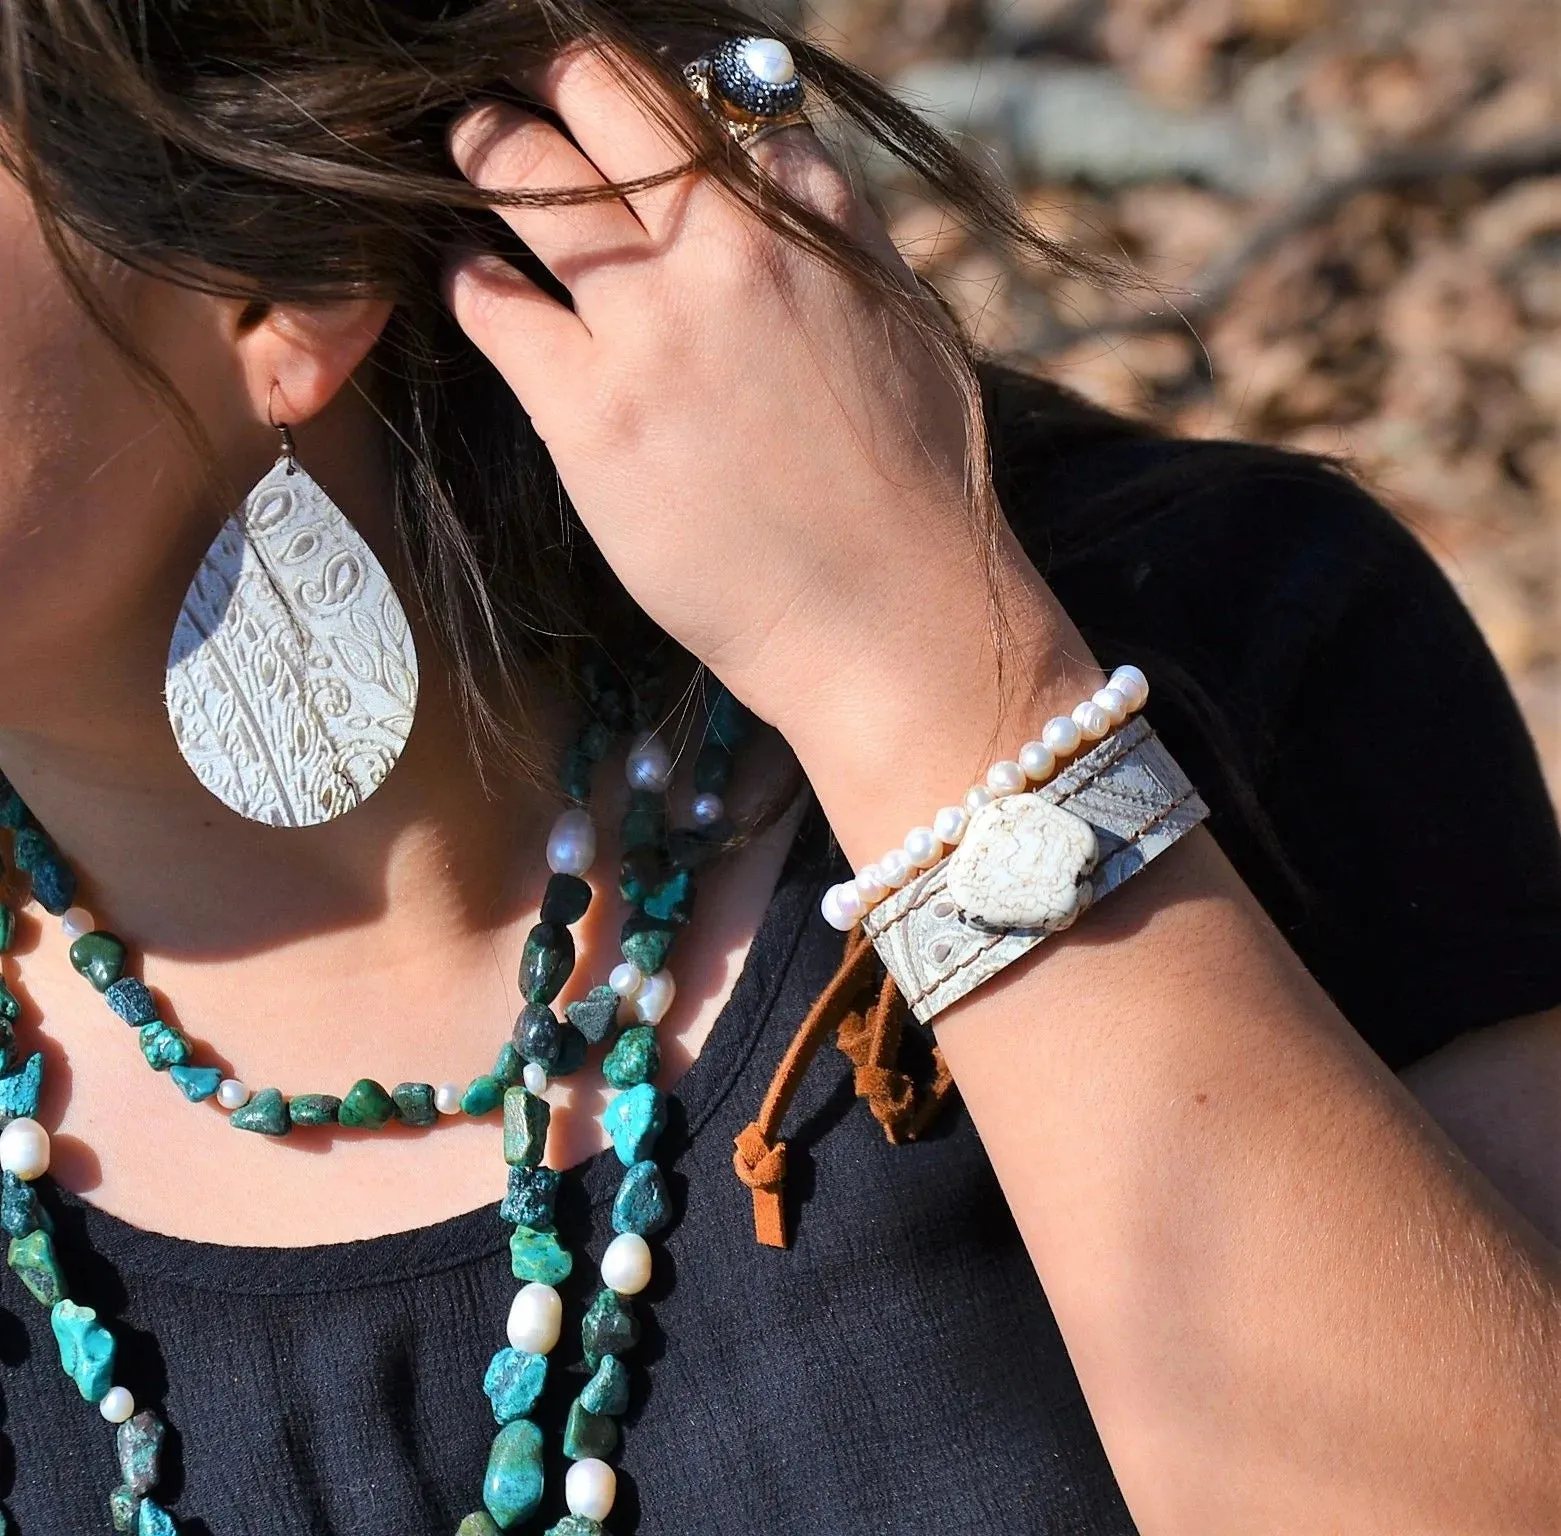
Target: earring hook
[(289, 452)]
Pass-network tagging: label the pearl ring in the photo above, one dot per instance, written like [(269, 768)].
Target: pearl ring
[(750, 85)]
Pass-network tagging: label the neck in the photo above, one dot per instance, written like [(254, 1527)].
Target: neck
[(86, 741)]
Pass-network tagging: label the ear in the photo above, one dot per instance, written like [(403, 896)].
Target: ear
[(295, 357)]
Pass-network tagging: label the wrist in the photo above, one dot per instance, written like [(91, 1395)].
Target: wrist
[(907, 709)]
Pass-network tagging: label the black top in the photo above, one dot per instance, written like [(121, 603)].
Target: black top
[(898, 1372)]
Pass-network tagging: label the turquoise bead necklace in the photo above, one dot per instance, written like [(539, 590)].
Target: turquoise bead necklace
[(656, 879)]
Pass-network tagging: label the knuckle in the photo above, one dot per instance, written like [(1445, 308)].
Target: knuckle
[(798, 163)]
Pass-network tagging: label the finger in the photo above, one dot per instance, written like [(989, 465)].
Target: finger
[(797, 160), (532, 339), (605, 101), (500, 148)]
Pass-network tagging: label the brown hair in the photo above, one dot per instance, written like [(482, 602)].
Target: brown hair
[(294, 150)]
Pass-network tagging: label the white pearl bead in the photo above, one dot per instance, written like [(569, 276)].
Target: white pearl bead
[(117, 1405), (1038, 761), (707, 809), (870, 885), (534, 1076), (571, 845), (626, 1264), (895, 867), (923, 847), (1061, 735), (649, 764), (833, 912), (1132, 685), (536, 1317), (654, 997), (1005, 778), (590, 1487), (1112, 701), (77, 921), (950, 823), (232, 1094), (1093, 722), (977, 796), (626, 979), (24, 1149), (770, 60), (447, 1098)]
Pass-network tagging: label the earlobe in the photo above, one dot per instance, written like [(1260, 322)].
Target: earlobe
[(296, 357)]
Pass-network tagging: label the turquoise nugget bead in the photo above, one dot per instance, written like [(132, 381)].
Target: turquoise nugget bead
[(513, 1383), (673, 900), (310, 1109), (539, 1256), (19, 1092), (20, 1212), (483, 1096), (132, 1001), (525, 1127), (86, 1349), (32, 1257), (7, 928), (641, 1202), (196, 1083), (155, 1521), (594, 1013), (546, 961), (265, 1113), (139, 1444), (100, 957), (414, 1103), (512, 1488), (10, 1009), (53, 880), (576, 1525), (366, 1105), (634, 1120), (163, 1046), (635, 1058), (608, 1390), (123, 1505), (589, 1436), (608, 1328), (529, 1200)]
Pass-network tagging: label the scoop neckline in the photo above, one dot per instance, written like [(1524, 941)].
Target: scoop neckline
[(471, 1236)]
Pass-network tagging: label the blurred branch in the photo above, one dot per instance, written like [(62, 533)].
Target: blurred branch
[(1396, 171)]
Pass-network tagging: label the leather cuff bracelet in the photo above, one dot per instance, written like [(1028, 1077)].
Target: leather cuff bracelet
[(1029, 864)]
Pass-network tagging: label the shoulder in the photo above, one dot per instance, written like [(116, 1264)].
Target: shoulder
[(1321, 681)]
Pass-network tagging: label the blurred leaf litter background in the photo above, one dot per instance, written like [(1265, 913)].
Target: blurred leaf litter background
[(1347, 221)]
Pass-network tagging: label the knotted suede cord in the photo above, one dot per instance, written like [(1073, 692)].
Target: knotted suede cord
[(870, 1037)]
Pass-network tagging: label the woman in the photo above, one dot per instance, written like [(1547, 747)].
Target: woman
[(1187, 1258)]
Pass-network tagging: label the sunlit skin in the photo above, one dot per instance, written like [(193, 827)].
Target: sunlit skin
[(1292, 1304)]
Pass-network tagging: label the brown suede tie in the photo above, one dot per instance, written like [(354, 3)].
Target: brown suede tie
[(870, 1038)]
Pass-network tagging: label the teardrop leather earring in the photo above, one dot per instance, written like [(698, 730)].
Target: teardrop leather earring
[(292, 676)]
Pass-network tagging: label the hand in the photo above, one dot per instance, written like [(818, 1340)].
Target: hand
[(769, 459)]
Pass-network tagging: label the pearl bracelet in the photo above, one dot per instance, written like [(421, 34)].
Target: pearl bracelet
[(846, 904)]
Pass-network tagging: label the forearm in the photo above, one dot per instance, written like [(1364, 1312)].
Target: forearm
[(1291, 1303)]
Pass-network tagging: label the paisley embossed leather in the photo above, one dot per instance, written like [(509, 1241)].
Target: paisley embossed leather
[(292, 674)]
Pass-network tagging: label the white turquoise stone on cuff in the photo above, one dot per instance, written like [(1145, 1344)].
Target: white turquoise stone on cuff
[(1023, 863)]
